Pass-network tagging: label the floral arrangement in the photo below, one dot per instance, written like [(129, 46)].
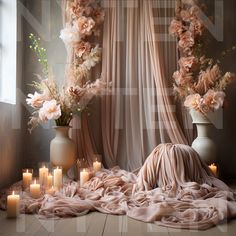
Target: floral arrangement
[(85, 20), (199, 81), (60, 104)]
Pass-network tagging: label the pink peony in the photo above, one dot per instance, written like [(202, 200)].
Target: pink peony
[(185, 15), (76, 9), (50, 110), (214, 99), (196, 27), (85, 25), (187, 63), (194, 11), (186, 40), (35, 100), (98, 15), (193, 101), (176, 27), (82, 48)]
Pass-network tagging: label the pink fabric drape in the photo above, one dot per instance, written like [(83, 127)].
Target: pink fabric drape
[(174, 188), (140, 113), (167, 114), (80, 126)]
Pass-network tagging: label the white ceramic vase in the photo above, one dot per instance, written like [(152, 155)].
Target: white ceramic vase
[(203, 145), (62, 149)]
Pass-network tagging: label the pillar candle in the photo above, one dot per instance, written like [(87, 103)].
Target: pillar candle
[(27, 179), (51, 191), (84, 176), (13, 205), (213, 168), (57, 178), (49, 181), (43, 175), (97, 165), (35, 190)]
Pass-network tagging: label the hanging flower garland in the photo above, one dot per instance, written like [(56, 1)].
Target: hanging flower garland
[(199, 81), (85, 21)]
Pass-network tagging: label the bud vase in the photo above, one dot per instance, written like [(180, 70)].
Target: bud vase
[(203, 144), (62, 149)]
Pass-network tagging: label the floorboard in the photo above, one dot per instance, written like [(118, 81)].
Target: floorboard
[(98, 224)]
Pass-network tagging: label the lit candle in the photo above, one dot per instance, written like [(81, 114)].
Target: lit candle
[(43, 175), (57, 178), (97, 165), (51, 191), (13, 205), (35, 190), (84, 177), (27, 179), (49, 181), (213, 168)]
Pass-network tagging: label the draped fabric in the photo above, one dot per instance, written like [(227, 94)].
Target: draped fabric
[(174, 188), (80, 126), (140, 112)]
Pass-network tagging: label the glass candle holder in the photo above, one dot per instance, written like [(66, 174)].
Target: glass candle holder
[(97, 162), (27, 176)]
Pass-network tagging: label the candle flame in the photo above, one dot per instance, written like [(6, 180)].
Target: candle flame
[(13, 193), (35, 181), (27, 171), (213, 164)]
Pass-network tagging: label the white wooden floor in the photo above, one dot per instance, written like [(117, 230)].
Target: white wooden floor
[(98, 224)]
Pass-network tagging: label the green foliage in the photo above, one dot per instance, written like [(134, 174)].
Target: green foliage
[(40, 52)]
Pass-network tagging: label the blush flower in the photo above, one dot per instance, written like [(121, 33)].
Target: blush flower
[(50, 110), (214, 99), (185, 15), (70, 35), (196, 27), (98, 15), (76, 9), (176, 27), (82, 48), (186, 40), (187, 63), (193, 101), (182, 78), (85, 25), (35, 100)]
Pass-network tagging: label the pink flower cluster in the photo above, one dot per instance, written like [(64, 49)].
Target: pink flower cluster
[(60, 104), (199, 81), (85, 20)]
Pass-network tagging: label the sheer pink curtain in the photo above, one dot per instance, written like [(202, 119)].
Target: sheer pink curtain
[(81, 133), (140, 112)]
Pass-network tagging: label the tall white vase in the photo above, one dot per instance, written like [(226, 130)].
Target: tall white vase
[(203, 145), (62, 149)]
